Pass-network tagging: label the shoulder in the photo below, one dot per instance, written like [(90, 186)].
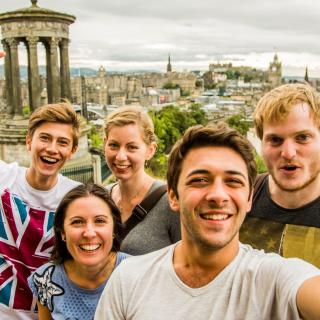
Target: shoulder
[(8, 173), (272, 265), (65, 184)]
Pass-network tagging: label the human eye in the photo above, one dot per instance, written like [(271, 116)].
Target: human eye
[(64, 142), (274, 140), (76, 222), (198, 181), (101, 220), (132, 147), (44, 137), (235, 182), (303, 138), (112, 145)]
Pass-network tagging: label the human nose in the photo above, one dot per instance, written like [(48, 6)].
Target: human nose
[(121, 154), (217, 193), (89, 230), (52, 146), (288, 150)]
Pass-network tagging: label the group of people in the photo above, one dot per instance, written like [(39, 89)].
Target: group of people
[(62, 242)]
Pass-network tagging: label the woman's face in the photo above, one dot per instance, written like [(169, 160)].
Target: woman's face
[(88, 231), (126, 151)]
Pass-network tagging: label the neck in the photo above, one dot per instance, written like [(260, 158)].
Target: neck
[(90, 277), (294, 199), (196, 266), (129, 188), (39, 182)]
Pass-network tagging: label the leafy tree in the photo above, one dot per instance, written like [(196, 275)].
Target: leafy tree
[(238, 122), (261, 167), (95, 136), (170, 122), (170, 85)]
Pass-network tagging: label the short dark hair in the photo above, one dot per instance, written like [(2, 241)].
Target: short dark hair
[(60, 252), (219, 135)]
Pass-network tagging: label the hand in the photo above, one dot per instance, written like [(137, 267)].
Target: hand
[(2, 54)]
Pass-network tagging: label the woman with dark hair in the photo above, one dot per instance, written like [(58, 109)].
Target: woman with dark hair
[(87, 228)]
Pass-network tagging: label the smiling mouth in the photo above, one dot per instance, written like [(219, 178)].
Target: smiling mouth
[(89, 247), (49, 160), (121, 166), (215, 217)]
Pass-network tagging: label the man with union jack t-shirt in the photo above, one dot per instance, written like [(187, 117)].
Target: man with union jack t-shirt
[(28, 199)]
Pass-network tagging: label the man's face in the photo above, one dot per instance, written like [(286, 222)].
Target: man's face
[(213, 196), (51, 146), (291, 149)]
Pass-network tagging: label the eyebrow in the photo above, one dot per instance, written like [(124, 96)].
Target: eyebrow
[(203, 171)]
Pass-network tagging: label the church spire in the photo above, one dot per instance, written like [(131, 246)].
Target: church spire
[(306, 76), (169, 68)]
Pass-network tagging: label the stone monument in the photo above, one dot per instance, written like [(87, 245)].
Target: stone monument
[(31, 26)]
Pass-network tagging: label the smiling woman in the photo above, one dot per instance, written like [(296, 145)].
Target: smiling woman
[(87, 228), (130, 142)]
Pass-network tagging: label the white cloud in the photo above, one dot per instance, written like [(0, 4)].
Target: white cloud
[(141, 33)]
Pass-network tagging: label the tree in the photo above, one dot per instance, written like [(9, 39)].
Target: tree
[(170, 122), (239, 122)]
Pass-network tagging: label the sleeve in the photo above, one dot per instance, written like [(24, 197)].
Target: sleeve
[(32, 286), (110, 306), (290, 275), (8, 173)]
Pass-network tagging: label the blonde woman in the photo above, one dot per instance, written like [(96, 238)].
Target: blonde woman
[(130, 142)]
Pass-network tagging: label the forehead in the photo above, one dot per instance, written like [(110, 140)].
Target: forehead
[(299, 118), (87, 206), (130, 131), (62, 130), (213, 160)]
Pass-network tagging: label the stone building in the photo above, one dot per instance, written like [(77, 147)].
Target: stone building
[(275, 72)]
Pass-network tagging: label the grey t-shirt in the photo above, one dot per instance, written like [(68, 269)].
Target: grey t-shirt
[(160, 228), (255, 285)]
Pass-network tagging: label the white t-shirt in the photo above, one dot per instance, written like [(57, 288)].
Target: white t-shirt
[(26, 236), (253, 286)]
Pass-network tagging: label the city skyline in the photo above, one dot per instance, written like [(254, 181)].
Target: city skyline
[(139, 34)]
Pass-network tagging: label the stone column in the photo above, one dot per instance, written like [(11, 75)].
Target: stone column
[(7, 70), (15, 73), (33, 73), (53, 79), (65, 70)]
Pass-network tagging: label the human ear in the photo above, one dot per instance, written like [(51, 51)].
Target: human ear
[(28, 142), (173, 201), (152, 147)]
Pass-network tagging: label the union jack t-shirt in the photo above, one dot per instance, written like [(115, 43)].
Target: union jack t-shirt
[(26, 236)]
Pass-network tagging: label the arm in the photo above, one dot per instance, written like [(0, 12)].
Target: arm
[(44, 313), (308, 299)]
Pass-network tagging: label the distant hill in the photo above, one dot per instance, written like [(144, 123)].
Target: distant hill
[(73, 71), (87, 72)]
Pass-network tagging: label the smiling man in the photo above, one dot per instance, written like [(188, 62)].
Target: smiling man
[(285, 216), (28, 200), (209, 274)]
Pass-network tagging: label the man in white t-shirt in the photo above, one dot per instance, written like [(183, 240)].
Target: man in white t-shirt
[(28, 200), (209, 274)]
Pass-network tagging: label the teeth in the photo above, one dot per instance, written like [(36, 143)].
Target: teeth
[(90, 247), (215, 216), (121, 166), (52, 160)]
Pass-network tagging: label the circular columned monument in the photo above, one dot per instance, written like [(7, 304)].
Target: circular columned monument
[(31, 26)]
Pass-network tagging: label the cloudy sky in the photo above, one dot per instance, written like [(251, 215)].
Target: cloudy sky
[(139, 34)]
